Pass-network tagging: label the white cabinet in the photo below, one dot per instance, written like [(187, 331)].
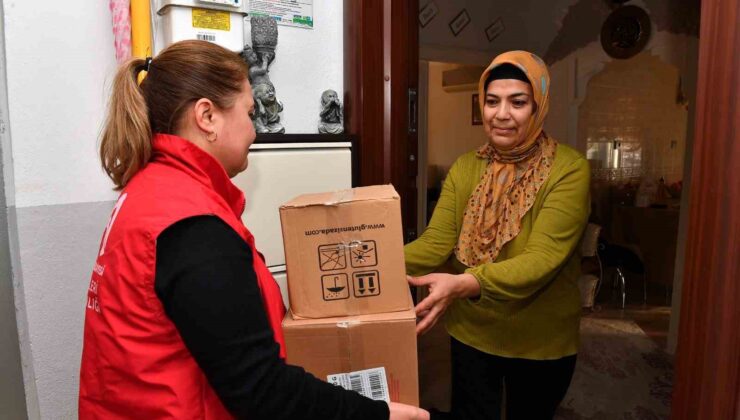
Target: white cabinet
[(279, 172), (281, 278)]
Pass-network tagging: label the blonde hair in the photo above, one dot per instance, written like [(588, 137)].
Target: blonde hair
[(181, 74)]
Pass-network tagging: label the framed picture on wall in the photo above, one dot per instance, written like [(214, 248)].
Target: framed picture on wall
[(428, 13), (494, 30), (476, 118), (459, 22)]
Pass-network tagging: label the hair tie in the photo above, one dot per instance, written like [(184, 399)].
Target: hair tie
[(145, 66)]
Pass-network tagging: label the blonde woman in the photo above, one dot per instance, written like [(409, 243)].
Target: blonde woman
[(183, 317)]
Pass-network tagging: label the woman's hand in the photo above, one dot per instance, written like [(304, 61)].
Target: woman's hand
[(407, 412), (443, 289)]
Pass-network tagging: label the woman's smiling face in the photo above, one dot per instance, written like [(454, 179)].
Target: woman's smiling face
[(508, 107)]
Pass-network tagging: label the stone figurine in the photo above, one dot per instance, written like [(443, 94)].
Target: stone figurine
[(260, 56), (332, 117), (257, 68), (268, 109)]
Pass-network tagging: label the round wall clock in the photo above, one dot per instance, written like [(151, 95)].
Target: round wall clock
[(625, 32)]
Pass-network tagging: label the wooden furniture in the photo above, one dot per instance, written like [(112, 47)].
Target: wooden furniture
[(654, 232), (589, 283)]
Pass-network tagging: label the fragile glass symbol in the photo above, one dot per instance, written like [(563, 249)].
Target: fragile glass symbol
[(331, 257)]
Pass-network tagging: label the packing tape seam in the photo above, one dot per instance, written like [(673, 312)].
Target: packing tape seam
[(340, 196)]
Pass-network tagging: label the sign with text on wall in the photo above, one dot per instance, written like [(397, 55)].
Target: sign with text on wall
[(298, 13)]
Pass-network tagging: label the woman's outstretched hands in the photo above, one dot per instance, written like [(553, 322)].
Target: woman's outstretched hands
[(443, 290)]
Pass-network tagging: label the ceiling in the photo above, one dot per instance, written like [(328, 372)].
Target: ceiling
[(529, 24), (549, 28)]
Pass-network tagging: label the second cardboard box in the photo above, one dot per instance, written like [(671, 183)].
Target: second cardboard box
[(337, 347)]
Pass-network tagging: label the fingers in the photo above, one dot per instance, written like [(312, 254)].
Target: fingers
[(400, 411), (425, 305), (429, 320), (418, 281)]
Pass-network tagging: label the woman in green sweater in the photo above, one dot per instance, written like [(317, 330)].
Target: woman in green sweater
[(512, 213)]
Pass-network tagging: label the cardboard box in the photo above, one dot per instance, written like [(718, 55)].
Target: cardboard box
[(333, 346), (344, 253)]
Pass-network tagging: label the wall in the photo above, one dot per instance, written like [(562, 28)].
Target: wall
[(60, 62), (529, 24), (570, 77), (635, 101), (308, 62), (571, 74), (298, 85), (449, 129), (12, 395), (56, 72), (566, 34), (575, 53)]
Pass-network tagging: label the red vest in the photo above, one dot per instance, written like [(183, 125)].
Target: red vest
[(134, 363)]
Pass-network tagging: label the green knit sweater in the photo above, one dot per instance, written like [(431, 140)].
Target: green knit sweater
[(529, 305)]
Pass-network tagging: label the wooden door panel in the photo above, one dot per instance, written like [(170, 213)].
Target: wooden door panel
[(707, 382), (381, 69)]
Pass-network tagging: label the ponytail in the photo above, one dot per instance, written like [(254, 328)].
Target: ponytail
[(125, 145), (181, 74)]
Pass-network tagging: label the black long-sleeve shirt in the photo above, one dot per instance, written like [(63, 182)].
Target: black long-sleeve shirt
[(205, 280)]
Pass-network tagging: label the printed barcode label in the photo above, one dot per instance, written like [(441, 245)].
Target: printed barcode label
[(371, 383), (206, 37)]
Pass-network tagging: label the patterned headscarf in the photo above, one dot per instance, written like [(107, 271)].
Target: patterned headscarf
[(509, 185)]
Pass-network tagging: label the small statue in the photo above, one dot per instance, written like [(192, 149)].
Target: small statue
[(259, 56), (257, 68), (332, 117), (268, 109)]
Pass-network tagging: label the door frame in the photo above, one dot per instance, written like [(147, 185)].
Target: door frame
[(381, 59), (707, 381)]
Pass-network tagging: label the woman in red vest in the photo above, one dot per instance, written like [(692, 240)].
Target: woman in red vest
[(183, 317)]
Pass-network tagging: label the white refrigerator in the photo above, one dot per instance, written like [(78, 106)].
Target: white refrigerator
[(277, 172)]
